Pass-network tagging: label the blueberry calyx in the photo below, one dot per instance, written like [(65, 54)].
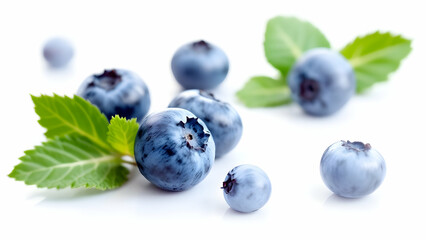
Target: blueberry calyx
[(229, 183), (194, 134), (309, 89), (107, 80), (356, 146), (201, 46)]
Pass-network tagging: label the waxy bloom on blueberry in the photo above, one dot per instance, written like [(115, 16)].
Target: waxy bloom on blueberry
[(246, 188), (322, 82), (200, 65), (174, 149), (352, 169), (117, 91), (58, 52)]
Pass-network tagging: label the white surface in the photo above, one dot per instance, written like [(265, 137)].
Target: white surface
[(283, 141)]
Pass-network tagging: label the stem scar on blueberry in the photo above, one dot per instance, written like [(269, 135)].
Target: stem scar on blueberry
[(194, 134), (189, 137), (229, 183), (201, 45), (356, 146)]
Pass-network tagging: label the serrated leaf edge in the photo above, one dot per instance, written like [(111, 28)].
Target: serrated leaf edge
[(94, 137), (109, 134)]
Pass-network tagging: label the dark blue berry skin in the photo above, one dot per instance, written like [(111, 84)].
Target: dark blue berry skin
[(58, 52), (352, 169), (221, 118), (322, 82), (174, 149), (200, 65), (117, 91), (246, 188)]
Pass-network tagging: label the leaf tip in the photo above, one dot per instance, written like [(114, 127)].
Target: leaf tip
[(35, 98), (12, 174)]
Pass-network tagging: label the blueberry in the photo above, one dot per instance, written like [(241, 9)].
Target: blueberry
[(58, 52), (117, 91), (352, 169), (220, 117), (174, 149), (246, 188), (322, 82), (200, 65)]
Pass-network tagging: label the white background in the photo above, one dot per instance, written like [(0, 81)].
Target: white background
[(287, 144)]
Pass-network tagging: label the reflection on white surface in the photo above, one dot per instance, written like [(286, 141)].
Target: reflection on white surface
[(366, 203)]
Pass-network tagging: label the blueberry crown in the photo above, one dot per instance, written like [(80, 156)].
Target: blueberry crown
[(356, 146), (201, 45), (106, 80), (309, 88), (194, 134), (228, 183)]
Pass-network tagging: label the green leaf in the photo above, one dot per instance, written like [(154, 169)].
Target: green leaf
[(375, 56), (64, 115), (286, 38), (70, 161), (122, 133), (264, 91)]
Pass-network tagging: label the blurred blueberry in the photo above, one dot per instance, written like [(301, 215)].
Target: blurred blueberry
[(221, 118), (200, 65), (322, 82), (352, 169), (117, 91), (58, 52), (174, 149), (246, 188)]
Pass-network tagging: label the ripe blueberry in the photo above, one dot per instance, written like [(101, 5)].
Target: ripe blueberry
[(322, 82), (352, 169), (58, 52), (200, 65), (117, 91), (174, 149), (246, 188)]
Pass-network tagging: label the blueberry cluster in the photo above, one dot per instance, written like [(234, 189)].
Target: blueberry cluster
[(175, 148)]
